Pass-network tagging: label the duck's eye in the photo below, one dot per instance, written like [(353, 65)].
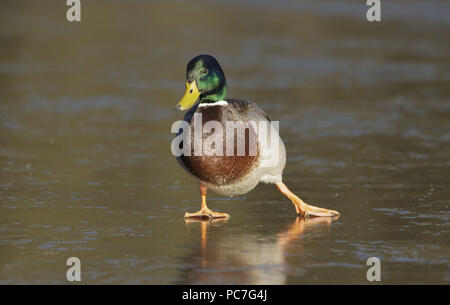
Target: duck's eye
[(205, 71)]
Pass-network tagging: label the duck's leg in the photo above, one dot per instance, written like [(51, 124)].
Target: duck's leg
[(303, 208), (205, 212)]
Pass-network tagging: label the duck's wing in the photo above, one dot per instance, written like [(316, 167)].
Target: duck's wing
[(246, 111)]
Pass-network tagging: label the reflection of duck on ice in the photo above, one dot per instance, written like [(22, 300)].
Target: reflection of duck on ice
[(244, 260)]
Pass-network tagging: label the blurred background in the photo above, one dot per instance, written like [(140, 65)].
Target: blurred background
[(85, 162)]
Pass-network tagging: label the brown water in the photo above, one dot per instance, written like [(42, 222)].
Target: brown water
[(86, 168)]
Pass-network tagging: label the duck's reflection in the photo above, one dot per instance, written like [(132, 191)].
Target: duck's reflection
[(245, 259)]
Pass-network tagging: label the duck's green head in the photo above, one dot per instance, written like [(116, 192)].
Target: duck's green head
[(205, 80)]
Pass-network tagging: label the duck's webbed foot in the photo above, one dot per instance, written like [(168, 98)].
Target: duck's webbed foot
[(302, 208), (207, 213), (310, 210)]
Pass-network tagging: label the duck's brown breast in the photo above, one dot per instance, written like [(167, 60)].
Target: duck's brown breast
[(218, 167)]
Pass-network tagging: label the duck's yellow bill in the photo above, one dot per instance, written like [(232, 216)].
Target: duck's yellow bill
[(190, 96)]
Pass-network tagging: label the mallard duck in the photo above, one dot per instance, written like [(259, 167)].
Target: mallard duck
[(229, 174)]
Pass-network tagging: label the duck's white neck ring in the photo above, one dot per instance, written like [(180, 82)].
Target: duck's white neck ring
[(218, 103)]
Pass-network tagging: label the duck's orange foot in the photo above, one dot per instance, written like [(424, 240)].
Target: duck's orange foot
[(307, 210), (304, 209), (207, 214)]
